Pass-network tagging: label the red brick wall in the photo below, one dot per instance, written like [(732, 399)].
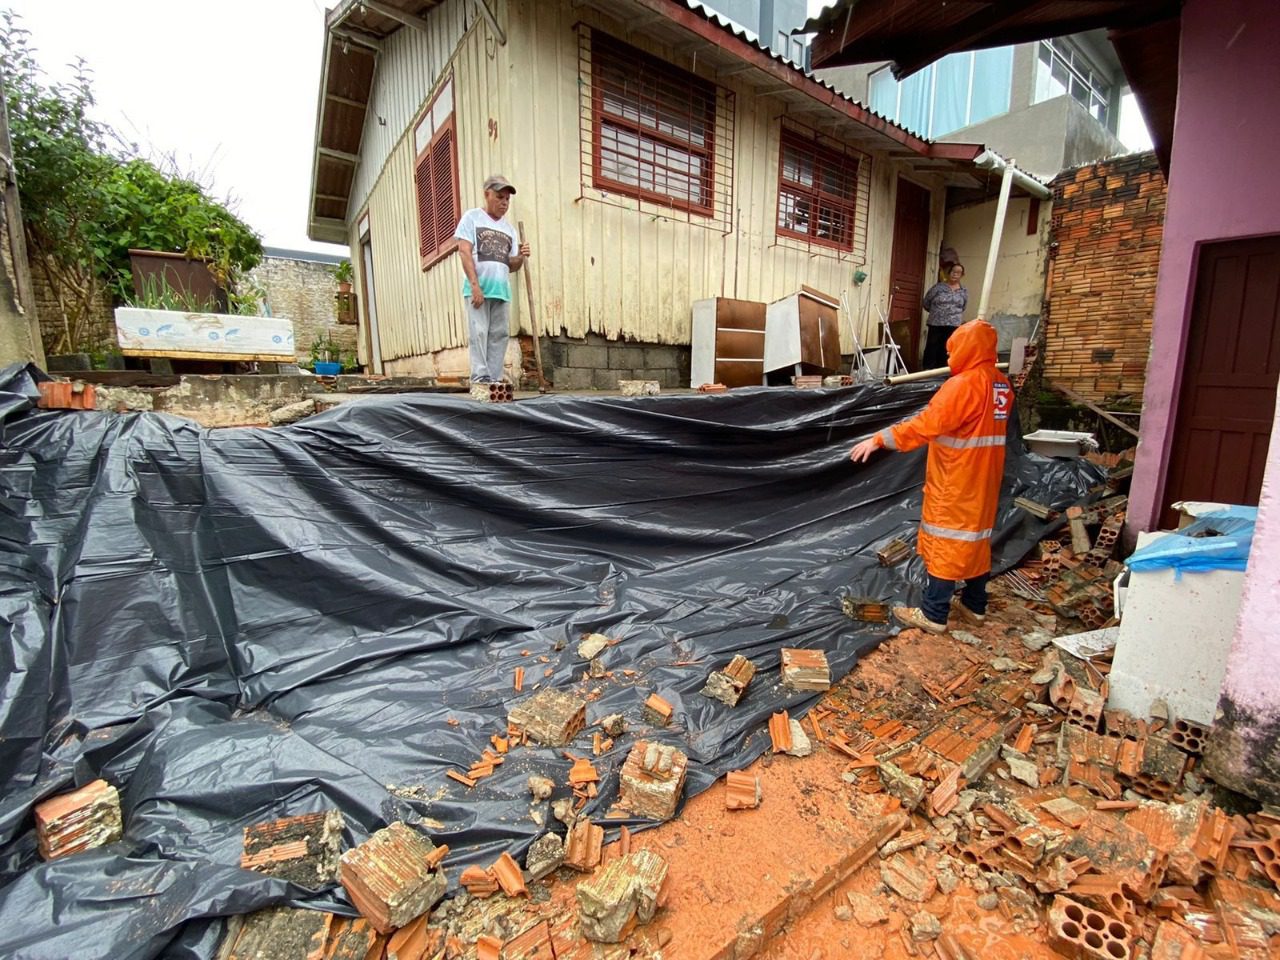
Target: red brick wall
[(1101, 287)]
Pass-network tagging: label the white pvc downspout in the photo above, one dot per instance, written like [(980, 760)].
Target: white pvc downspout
[(989, 160)]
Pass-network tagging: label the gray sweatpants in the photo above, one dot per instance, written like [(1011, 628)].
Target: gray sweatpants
[(487, 327)]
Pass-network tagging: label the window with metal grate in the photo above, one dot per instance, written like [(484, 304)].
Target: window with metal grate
[(817, 192), (435, 178), (654, 128)]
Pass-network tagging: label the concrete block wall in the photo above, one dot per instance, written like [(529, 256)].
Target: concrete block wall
[(98, 332), (303, 291), (597, 363), (1105, 241)]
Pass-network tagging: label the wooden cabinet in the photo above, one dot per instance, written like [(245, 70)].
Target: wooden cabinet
[(802, 333), (727, 344)]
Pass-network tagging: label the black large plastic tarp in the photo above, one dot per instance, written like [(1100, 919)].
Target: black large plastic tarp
[(237, 625)]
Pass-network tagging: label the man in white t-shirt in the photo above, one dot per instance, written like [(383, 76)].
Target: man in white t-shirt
[(490, 252)]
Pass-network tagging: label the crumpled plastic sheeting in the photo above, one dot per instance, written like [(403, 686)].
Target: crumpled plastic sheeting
[(238, 625), (1219, 540)]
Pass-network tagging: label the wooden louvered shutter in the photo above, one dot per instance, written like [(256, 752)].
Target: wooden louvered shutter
[(442, 192), (435, 180), (426, 225)]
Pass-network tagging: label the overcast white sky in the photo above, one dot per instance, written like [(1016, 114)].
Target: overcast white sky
[(228, 88)]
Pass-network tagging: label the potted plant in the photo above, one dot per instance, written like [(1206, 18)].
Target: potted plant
[(342, 274), (325, 357)]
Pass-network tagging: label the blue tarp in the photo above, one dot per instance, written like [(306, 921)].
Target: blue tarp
[(1216, 541)]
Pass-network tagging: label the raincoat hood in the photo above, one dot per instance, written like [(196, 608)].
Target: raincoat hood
[(972, 345)]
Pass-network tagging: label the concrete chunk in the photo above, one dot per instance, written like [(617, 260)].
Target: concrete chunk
[(639, 388), (728, 685), (545, 856), (626, 892), (910, 790), (800, 743)]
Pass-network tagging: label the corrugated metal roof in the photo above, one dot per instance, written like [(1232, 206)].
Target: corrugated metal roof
[(750, 36)]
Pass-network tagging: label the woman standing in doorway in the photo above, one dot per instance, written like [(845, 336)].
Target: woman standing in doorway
[(945, 303)]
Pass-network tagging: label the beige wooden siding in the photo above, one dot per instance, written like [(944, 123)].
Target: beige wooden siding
[(619, 268), (410, 63), (419, 311)]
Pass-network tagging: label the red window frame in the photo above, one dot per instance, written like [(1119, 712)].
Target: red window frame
[(637, 95), (435, 186), (814, 196)]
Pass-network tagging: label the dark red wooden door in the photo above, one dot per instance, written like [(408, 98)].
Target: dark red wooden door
[(1227, 401), (907, 268)]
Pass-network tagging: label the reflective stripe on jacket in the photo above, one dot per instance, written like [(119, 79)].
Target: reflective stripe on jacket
[(964, 425)]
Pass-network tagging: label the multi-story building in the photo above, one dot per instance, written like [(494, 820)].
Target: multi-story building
[(1050, 105)]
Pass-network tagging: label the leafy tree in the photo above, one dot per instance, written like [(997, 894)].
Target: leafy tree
[(87, 197)]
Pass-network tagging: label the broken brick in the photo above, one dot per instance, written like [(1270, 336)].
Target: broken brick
[(1189, 737), (907, 880), (868, 911), (488, 948), (550, 717), (531, 944), (805, 670), (627, 892), (729, 684), (582, 772), (742, 790), (302, 849), (461, 778), (1173, 941), (479, 881), (510, 878), (652, 780), (410, 941), (1085, 708), (389, 877), (584, 846), (351, 939), (1076, 931), (780, 732), (657, 710), (80, 820), (60, 395), (1066, 810)]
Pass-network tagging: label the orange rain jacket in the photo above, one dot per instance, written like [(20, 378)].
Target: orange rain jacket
[(965, 425)]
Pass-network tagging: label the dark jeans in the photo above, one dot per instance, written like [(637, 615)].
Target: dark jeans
[(935, 348), (938, 594)]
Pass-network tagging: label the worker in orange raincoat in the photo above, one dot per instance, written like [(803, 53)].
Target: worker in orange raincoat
[(964, 425)]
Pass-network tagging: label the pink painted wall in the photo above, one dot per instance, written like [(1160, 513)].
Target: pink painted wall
[(1253, 665), (1224, 183)]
